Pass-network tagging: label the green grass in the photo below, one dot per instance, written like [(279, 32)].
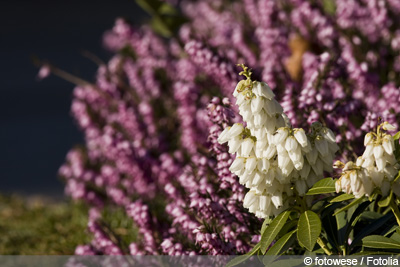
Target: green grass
[(36, 226)]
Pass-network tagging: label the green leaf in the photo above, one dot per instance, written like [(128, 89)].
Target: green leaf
[(397, 177), (329, 224), (342, 197), (244, 257), (384, 202), (396, 136), (341, 220), (354, 218), (329, 6), (265, 225), (160, 27), (323, 186), (395, 237), (272, 230), (380, 242), (151, 6), (355, 202), (288, 226), (277, 248), (308, 229), (371, 228), (167, 9)]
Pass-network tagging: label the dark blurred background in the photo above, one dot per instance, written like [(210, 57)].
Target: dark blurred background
[(37, 129)]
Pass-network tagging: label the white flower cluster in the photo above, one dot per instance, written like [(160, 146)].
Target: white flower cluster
[(376, 168), (272, 158)]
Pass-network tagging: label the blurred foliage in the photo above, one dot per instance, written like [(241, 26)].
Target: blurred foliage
[(119, 227), (165, 19), (39, 226)]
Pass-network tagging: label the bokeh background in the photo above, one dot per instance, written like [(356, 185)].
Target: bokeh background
[(36, 127)]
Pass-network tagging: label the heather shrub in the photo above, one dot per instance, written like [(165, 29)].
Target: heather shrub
[(156, 119)]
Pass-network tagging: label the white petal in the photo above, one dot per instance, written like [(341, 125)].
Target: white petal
[(264, 202), (359, 161), (311, 179), (377, 177), (270, 152), (251, 163), (291, 144), (234, 144), (390, 172), (388, 146), (388, 127), (280, 136), (287, 170), (333, 147), (301, 187), (380, 164), (367, 183), (329, 135), (270, 123), (368, 162), (301, 137), (385, 188), (257, 104), (243, 179), (264, 165), (262, 89), (237, 164), (277, 200), (367, 139), (305, 170), (223, 136), (283, 160), (312, 156), (235, 130), (280, 122), (247, 146), (249, 199), (258, 178), (378, 151), (369, 150), (322, 146)]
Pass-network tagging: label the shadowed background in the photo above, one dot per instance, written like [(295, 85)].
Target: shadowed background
[(36, 127)]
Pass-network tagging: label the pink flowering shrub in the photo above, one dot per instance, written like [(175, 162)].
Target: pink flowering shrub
[(152, 117)]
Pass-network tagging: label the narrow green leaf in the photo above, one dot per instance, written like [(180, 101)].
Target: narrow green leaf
[(308, 229), (385, 201), (396, 136), (244, 257), (380, 242), (391, 230), (371, 215), (288, 226), (354, 219), (151, 6), (329, 224), (395, 237), (272, 230), (341, 221), (355, 202), (397, 177), (370, 229), (342, 197), (323, 186), (265, 225), (167, 9), (277, 248)]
